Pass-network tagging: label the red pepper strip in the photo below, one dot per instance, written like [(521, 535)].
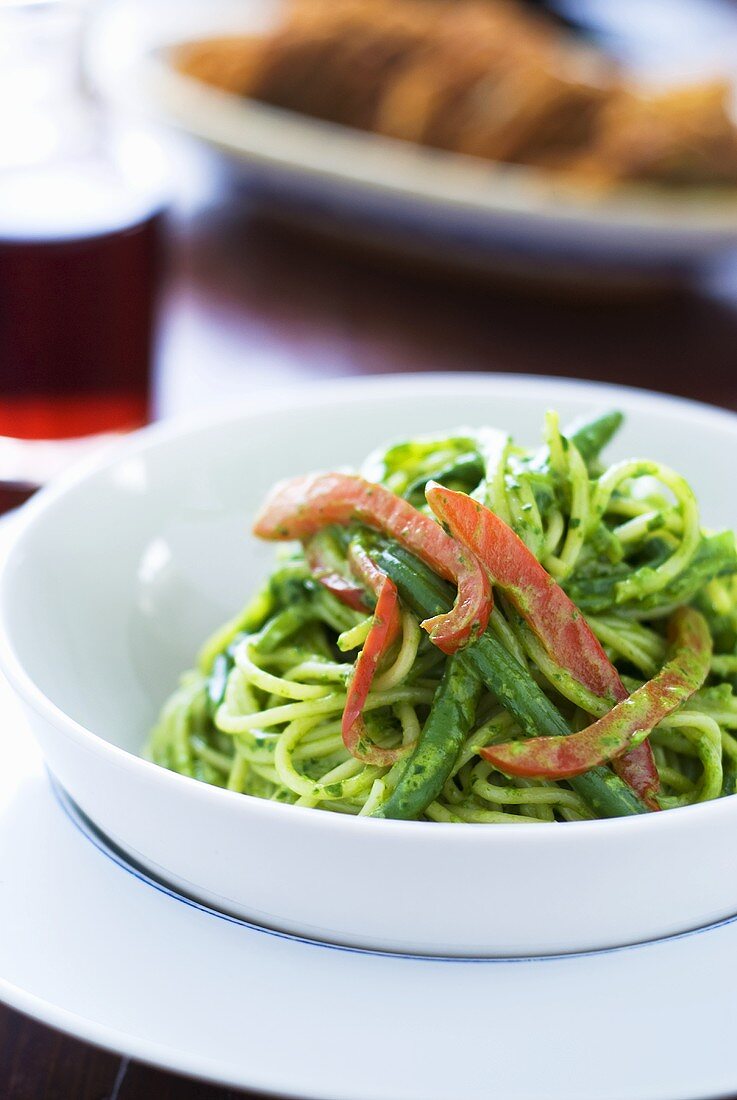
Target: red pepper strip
[(551, 614), (384, 631), (299, 508), (637, 768), (686, 669), (326, 568)]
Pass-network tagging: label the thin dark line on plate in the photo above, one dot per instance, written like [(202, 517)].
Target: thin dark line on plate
[(112, 852)]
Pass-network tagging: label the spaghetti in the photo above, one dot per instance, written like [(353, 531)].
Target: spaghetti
[(262, 711)]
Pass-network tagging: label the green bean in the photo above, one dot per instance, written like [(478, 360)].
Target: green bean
[(590, 437), (466, 468), (283, 625), (431, 762)]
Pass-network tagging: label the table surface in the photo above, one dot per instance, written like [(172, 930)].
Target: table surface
[(250, 304)]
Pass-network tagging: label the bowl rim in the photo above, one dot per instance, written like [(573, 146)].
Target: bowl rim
[(312, 394)]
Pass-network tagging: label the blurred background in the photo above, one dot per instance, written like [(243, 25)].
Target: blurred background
[(201, 200)]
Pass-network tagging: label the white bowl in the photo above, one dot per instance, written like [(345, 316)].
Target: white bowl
[(118, 573)]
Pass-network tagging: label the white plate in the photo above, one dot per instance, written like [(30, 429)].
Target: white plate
[(388, 189), (92, 948)]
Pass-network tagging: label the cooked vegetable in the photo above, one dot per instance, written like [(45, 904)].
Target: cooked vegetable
[(450, 720), (545, 607), (303, 506), (385, 628), (331, 569), (684, 672), (590, 437), (512, 685), (543, 604)]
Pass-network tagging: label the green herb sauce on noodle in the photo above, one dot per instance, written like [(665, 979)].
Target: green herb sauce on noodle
[(261, 711)]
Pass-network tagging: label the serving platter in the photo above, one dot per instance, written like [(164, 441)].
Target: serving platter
[(383, 190)]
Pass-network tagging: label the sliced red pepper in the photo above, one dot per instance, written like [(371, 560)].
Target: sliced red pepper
[(297, 509), (384, 631), (684, 672), (365, 569), (551, 614), (329, 569), (637, 768)]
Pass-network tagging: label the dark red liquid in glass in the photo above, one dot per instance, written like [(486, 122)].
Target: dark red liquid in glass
[(76, 329)]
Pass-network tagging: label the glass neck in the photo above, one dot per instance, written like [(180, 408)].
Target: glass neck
[(41, 76)]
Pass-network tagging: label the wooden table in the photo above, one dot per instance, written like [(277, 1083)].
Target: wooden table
[(251, 305)]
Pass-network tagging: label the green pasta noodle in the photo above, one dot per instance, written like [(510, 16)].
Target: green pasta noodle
[(261, 711)]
